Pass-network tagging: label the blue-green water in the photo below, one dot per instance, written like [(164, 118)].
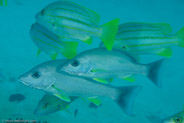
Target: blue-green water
[(18, 54)]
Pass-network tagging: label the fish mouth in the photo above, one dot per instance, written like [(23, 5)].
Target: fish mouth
[(27, 84)]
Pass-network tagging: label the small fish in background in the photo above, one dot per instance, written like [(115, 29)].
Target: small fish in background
[(51, 44), (16, 98), (69, 20), (176, 118), (3, 2), (50, 104), (147, 38), (101, 63), (76, 113), (62, 85)]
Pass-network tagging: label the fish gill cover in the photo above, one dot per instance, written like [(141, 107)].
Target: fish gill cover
[(108, 61)]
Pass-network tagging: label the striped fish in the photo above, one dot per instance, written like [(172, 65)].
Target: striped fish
[(70, 20), (148, 38), (51, 44), (3, 2)]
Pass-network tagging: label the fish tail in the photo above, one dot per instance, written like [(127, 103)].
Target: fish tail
[(126, 96), (109, 31), (70, 49), (5, 2), (180, 34), (1, 2), (155, 71)]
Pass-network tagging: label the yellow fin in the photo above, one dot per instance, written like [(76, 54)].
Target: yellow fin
[(60, 94), (166, 52), (88, 40), (95, 100), (180, 34), (70, 49), (130, 78), (38, 52), (1, 2), (109, 31), (54, 56), (105, 81)]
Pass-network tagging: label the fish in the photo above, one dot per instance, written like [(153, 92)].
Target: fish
[(147, 38), (50, 104), (3, 2), (176, 118), (51, 44), (46, 77), (16, 98), (72, 21), (103, 64)]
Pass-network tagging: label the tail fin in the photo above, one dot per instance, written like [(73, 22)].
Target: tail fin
[(125, 98), (180, 34), (70, 49), (3, 3), (155, 72), (109, 33)]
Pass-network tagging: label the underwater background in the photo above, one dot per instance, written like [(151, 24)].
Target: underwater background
[(18, 54)]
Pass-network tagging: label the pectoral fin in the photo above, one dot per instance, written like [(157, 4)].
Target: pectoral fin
[(95, 100), (60, 94), (88, 40), (105, 81), (98, 70), (129, 78)]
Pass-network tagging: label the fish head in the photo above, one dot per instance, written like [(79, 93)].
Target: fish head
[(40, 77), (45, 20), (81, 66), (50, 104), (177, 118)]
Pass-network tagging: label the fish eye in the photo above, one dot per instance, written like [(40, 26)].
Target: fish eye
[(45, 105), (124, 47), (36, 75), (42, 12), (75, 63), (177, 120), (53, 24)]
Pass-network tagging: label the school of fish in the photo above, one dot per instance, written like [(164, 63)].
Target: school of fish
[(59, 28)]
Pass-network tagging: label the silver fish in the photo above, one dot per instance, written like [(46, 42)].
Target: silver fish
[(69, 20), (147, 38), (50, 43), (101, 63), (63, 85)]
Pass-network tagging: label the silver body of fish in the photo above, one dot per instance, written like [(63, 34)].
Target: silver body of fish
[(46, 77), (101, 63)]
